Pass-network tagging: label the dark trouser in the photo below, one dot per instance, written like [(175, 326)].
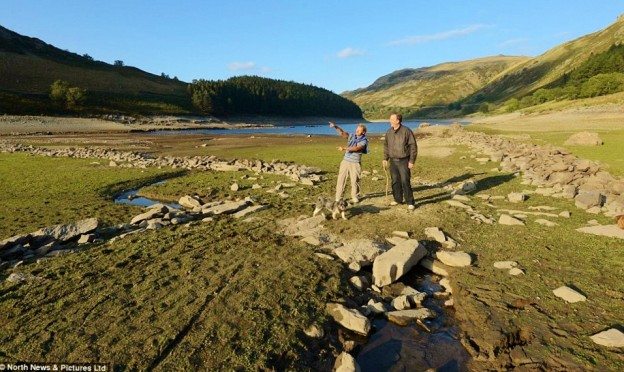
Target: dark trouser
[(401, 186)]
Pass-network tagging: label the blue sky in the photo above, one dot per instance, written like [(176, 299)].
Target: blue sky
[(339, 45)]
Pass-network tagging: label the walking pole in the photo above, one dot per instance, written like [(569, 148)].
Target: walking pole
[(385, 168)]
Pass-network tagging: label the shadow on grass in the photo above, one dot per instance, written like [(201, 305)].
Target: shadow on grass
[(482, 185), (113, 190)]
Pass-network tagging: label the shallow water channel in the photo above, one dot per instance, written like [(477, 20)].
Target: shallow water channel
[(392, 347), (130, 197)]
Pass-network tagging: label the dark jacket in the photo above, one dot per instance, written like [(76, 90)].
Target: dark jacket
[(400, 144)]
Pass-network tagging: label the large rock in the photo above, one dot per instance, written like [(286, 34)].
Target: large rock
[(391, 265), (351, 319), (63, 233), (405, 317), (584, 139), (436, 234), (14, 240), (190, 202), (588, 199), (434, 266), (150, 214), (516, 197), (455, 259), (361, 251), (346, 363), (612, 231), (610, 338)]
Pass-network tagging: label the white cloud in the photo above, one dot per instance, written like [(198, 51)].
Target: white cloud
[(419, 39), (513, 42), (237, 66), (350, 52)]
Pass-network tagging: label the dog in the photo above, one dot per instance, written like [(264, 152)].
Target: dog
[(620, 221), (335, 207)]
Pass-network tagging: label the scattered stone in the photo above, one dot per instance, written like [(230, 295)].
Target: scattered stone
[(255, 186), (612, 231), (392, 264), (594, 210), (461, 198), (505, 264), (355, 267), (361, 251), (249, 210), (359, 282), (314, 331), (63, 233), (401, 234), (17, 278), (454, 259), (436, 234), (401, 303), (565, 214), (349, 318), (312, 240), (568, 294), (112, 163), (588, 199), (86, 238), (235, 186), (515, 271), (190, 202), (444, 282), (610, 338), (434, 266), (150, 214), (346, 363), (225, 208), (544, 222), (394, 240), (405, 317), (458, 204), (516, 197), (376, 307), (449, 303), (506, 219), (324, 256)]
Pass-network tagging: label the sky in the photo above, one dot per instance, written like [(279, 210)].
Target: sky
[(335, 44)]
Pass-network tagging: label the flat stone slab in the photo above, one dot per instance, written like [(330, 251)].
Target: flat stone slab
[(351, 319), (225, 208), (544, 222), (361, 251), (454, 259), (69, 231), (249, 210), (505, 264), (610, 338), (434, 266), (569, 295), (612, 231), (346, 363), (405, 317), (506, 219)]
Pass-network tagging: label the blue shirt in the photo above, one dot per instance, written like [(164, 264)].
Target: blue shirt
[(354, 141)]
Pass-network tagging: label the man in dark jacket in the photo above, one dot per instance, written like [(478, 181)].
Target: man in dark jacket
[(400, 151)]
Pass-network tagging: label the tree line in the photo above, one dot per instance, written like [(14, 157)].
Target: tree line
[(262, 96)]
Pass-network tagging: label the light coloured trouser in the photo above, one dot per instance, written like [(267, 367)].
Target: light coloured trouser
[(354, 171)]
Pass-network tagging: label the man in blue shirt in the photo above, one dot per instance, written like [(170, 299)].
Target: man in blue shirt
[(351, 164)]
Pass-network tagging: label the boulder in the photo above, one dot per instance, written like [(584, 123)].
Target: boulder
[(394, 263), (225, 208), (436, 234), (568, 294), (588, 199), (190, 202), (454, 259), (361, 251), (351, 319), (150, 214), (63, 233)]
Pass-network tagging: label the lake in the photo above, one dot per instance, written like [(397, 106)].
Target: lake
[(320, 129)]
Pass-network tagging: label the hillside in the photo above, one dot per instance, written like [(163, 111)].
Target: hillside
[(538, 72), (415, 91), (28, 66)]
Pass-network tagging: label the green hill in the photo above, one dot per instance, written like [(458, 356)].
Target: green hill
[(28, 66), (552, 68), (428, 91)]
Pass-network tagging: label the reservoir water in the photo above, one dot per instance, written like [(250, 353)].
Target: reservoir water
[(320, 129)]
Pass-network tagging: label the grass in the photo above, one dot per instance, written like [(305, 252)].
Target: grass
[(235, 295), (42, 191)]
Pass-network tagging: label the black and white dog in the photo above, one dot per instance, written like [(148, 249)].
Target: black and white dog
[(335, 207)]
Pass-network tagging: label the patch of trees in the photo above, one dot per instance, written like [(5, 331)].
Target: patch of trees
[(262, 96), (63, 94), (599, 75)]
